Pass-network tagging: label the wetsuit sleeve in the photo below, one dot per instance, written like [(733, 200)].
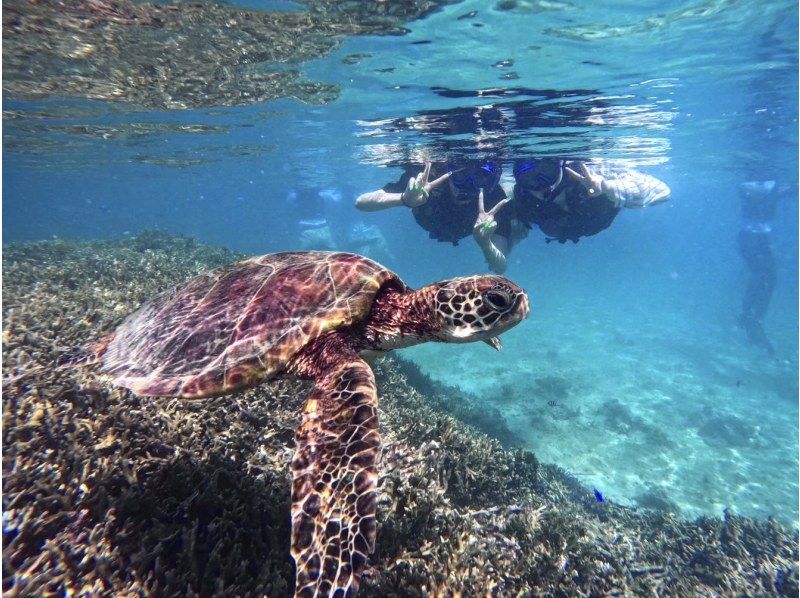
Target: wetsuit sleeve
[(631, 189)]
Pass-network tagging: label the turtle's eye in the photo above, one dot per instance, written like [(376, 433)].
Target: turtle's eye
[(500, 300)]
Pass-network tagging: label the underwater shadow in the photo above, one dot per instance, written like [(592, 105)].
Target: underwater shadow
[(201, 526), (130, 508)]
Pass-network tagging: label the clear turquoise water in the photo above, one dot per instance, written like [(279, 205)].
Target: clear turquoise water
[(638, 324)]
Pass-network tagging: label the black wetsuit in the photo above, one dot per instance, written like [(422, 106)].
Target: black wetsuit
[(448, 219), (755, 247), (582, 215)]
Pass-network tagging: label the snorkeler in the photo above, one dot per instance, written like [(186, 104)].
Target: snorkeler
[(313, 229), (462, 199), (568, 200), (758, 200)]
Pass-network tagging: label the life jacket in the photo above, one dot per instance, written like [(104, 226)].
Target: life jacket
[(577, 214), (446, 219)]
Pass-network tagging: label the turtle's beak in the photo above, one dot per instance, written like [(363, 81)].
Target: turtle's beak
[(494, 342)]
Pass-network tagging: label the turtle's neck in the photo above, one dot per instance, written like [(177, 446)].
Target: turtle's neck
[(400, 319)]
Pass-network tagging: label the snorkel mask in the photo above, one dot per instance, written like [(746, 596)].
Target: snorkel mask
[(475, 176), (542, 176)]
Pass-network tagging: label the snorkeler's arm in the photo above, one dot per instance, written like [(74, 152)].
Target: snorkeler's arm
[(378, 200), (494, 249), (626, 188), (416, 193), (633, 189)]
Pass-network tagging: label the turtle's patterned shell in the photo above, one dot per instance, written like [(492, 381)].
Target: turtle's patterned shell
[(235, 326)]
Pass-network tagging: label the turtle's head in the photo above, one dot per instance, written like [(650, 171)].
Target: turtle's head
[(477, 308)]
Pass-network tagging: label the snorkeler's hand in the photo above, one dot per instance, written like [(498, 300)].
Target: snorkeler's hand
[(593, 183), (485, 225), (418, 188)]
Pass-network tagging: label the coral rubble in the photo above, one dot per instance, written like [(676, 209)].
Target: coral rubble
[(105, 493)]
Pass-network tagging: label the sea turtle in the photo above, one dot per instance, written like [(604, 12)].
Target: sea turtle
[(311, 315)]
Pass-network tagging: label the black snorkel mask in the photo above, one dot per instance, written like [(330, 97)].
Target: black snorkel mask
[(541, 176), (475, 176)]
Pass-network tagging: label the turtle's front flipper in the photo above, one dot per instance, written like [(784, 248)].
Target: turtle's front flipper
[(335, 478)]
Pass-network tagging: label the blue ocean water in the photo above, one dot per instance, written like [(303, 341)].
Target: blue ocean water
[(633, 330)]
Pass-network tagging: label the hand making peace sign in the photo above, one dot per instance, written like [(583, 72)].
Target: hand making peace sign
[(591, 182), (485, 225), (418, 188)]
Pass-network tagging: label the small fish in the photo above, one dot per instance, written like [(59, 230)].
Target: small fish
[(599, 495), (553, 404), (738, 383)]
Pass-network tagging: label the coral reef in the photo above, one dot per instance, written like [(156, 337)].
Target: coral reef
[(658, 499), (184, 54), (458, 403), (109, 494)]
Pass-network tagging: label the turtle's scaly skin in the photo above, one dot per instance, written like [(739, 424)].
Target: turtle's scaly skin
[(235, 326), (310, 315), (250, 321), (334, 493)]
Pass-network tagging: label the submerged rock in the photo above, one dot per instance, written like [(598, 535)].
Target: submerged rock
[(726, 431), (106, 493)]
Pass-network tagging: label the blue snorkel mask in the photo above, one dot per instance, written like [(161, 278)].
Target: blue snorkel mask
[(475, 176), (542, 176)]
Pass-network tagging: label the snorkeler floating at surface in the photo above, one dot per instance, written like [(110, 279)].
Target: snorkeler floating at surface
[(570, 199), (567, 200), (314, 316), (453, 205)]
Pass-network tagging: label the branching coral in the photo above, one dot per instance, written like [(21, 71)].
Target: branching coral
[(109, 494)]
